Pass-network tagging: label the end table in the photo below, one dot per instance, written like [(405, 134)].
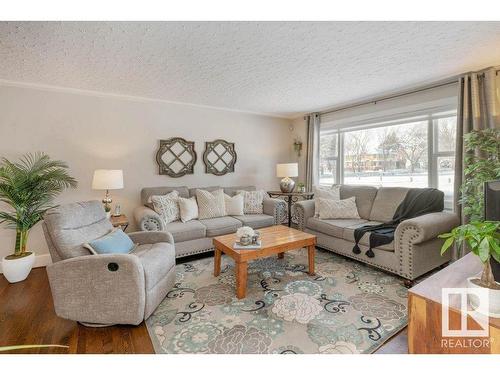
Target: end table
[(290, 198), (119, 221)]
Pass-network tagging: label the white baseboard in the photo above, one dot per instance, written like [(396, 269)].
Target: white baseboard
[(40, 261)]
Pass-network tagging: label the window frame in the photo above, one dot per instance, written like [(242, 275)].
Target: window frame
[(431, 117)]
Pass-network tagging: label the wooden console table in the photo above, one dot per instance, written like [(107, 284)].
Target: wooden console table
[(424, 305)]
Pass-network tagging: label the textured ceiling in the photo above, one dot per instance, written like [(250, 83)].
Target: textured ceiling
[(280, 68)]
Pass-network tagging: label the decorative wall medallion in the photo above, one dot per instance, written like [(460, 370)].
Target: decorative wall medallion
[(219, 157), (176, 157)]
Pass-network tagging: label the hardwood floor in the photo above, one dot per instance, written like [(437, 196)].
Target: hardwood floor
[(27, 316)]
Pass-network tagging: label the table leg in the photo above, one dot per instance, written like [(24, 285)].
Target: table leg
[(217, 259), (241, 279), (290, 211), (281, 255), (310, 256)]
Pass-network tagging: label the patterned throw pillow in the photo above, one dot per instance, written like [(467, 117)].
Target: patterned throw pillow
[(338, 209), (167, 206), (188, 208), (210, 204), (253, 201), (234, 205), (332, 193)]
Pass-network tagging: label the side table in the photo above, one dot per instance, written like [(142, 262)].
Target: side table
[(119, 221), (290, 198)]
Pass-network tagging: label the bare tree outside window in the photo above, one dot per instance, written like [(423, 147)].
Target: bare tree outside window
[(413, 145), (356, 148)]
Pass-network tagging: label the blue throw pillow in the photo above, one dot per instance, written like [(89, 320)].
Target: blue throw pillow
[(115, 242)]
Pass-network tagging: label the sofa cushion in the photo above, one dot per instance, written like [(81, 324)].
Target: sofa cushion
[(331, 192), (192, 191), (190, 230), (232, 190), (157, 260), (147, 192), (337, 209), (210, 204), (386, 202), (349, 235), (334, 227), (365, 195), (221, 225), (167, 206), (256, 221), (115, 242)]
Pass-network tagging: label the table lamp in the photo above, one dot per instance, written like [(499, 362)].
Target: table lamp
[(107, 179), (286, 171)]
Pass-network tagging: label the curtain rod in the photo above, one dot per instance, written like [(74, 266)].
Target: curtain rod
[(449, 81)]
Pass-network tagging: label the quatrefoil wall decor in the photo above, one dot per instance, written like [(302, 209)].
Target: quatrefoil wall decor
[(219, 157), (176, 157)]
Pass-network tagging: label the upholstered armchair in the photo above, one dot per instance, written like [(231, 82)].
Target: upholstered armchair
[(101, 290)]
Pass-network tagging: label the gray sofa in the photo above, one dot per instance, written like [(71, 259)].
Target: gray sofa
[(195, 236), (415, 249), (100, 290)]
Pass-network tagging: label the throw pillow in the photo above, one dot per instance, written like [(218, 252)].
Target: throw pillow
[(338, 209), (332, 192), (210, 204), (234, 205), (253, 201), (188, 209), (115, 242), (167, 206)]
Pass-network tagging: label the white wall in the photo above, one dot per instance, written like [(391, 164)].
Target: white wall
[(98, 131)]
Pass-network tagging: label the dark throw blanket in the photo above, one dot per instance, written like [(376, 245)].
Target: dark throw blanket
[(417, 202)]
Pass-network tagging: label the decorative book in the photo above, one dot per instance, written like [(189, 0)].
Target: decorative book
[(238, 246)]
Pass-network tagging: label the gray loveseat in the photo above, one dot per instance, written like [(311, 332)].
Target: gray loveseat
[(100, 290), (415, 249), (195, 236)]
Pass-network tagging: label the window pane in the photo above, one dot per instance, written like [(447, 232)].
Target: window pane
[(387, 156), (446, 178), (446, 133), (328, 154)]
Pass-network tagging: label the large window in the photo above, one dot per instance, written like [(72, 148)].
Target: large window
[(411, 152)]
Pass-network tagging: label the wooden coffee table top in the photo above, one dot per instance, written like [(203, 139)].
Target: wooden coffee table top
[(276, 239)]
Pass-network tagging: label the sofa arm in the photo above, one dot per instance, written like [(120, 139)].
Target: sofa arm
[(145, 237), (148, 220), (99, 289), (425, 227), (276, 208), (303, 211)]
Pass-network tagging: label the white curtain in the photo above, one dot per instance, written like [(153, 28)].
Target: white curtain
[(312, 156)]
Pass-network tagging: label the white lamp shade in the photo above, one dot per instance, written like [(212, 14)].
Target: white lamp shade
[(107, 179), (287, 170)]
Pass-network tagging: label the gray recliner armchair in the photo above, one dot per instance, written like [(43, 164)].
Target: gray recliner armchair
[(100, 290)]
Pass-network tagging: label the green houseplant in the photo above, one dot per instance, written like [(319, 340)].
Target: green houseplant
[(28, 188), (481, 164), (483, 239)]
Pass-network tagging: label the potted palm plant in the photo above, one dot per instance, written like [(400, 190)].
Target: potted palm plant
[(483, 239), (28, 188)]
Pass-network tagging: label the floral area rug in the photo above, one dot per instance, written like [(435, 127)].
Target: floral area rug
[(346, 307)]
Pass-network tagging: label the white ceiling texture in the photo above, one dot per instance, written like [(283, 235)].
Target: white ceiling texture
[(278, 68)]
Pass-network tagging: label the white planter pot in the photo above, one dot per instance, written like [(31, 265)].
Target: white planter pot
[(494, 299), (16, 270)]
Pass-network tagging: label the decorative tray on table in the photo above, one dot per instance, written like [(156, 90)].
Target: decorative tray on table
[(252, 246)]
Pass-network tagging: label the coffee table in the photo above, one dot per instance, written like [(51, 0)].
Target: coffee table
[(275, 241)]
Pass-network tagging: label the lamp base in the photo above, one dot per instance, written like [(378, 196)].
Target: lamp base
[(287, 185)]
